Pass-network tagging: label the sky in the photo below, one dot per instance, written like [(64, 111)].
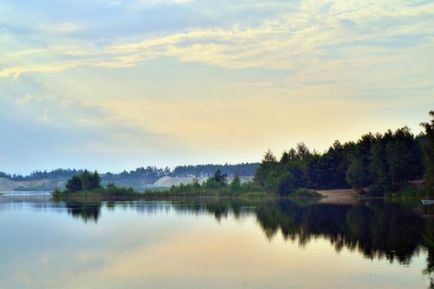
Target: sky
[(118, 84)]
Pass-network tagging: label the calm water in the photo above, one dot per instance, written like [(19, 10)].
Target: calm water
[(211, 245)]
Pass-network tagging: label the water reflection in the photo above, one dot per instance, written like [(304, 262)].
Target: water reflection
[(87, 212), (376, 230)]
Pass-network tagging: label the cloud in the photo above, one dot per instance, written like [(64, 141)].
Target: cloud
[(121, 79), (60, 28), (288, 40), (138, 3)]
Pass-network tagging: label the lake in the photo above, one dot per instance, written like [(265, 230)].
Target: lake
[(211, 244)]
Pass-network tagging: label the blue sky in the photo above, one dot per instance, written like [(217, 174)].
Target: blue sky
[(114, 84)]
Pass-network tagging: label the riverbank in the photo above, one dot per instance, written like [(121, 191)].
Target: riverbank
[(339, 196)]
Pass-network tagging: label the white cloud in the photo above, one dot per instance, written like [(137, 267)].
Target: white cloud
[(137, 4), (60, 28), (293, 39), (332, 60)]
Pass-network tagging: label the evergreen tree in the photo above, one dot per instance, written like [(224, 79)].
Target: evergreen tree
[(428, 153), (235, 185), (357, 175), (217, 181), (74, 184), (266, 167)]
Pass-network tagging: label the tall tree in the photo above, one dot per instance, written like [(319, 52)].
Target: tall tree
[(428, 152), (266, 167), (357, 175), (74, 184), (403, 157)]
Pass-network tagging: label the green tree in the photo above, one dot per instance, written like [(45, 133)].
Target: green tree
[(428, 152), (95, 181), (235, 185), (379, 166), (85, 181), (217, 181), (266, 167), (403, 157), (357, 174), (287, 184), (74, 184), (90, 180), (395, 159)]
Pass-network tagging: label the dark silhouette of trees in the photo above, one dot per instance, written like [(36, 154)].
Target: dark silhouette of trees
[(235, 185), (74, 184), (90, 180), (86, 181), (357, 174), (217, 181), (377, 163), (428, 152), (266, 167)]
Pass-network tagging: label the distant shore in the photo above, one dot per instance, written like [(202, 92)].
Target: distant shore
[(124, 194)]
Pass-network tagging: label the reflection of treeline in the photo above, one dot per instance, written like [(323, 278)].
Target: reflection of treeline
[(376, 229), (379, 162)]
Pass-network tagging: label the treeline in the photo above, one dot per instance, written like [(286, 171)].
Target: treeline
[(217, 184), (86, 181), (243, 169), (376, 163), (39, 175), (87, 186), (150, 173)]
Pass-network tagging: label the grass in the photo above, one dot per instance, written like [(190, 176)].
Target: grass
[(408, 195), (126, 194), (100, 194), (114, 193), (305, 194)]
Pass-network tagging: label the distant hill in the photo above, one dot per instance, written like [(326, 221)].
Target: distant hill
[(243, 169), (167, 182), (139, 178)]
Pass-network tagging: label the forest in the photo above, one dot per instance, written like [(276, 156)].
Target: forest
[(375, 164)]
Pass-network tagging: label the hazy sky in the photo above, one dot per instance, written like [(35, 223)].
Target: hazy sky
[(114, 84)]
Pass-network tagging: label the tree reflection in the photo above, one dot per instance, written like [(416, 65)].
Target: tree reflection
[(375, 229), (85, 211)]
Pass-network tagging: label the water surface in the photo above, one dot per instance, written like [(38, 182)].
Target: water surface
[(211, 244)]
